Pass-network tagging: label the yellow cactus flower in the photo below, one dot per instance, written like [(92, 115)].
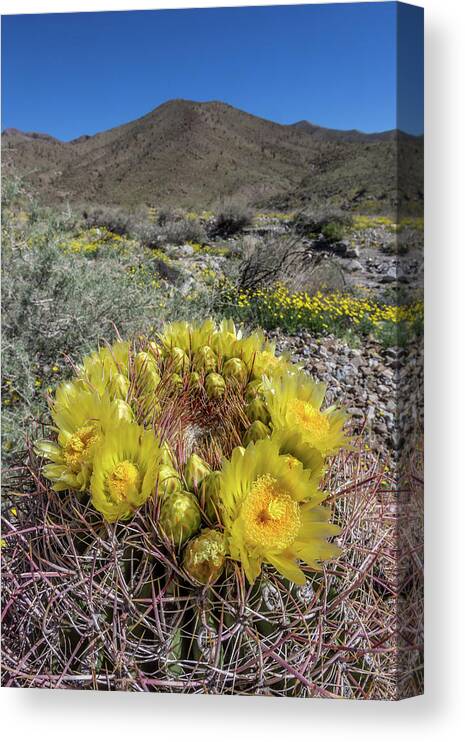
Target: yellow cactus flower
[(294, 403), (189, 337), (106, 370), (195, 471), (178, 360), (82, 418), (266, 363), (225, 338), (125, 471), (255, 432), (273, 514), (292, 446)]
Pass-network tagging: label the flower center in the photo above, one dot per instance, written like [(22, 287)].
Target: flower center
[(123, 480), (79, 447), (271, 517), (310, 419), (291, 461)]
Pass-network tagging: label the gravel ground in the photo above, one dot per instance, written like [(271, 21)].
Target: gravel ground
[(382, 389)]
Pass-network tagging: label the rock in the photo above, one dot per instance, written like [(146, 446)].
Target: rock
[(341, 248), (353, 252), (356, 412), (179, 251), (187, 286), (353, 266), (390, 276)]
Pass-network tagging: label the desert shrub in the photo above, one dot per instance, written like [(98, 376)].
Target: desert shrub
[(179, 231), (329, 222), (333, 231), (146, 232), (231, 218), (115, 220), (264, 262), (57, 306), (13, 192), (171, 227), (167, 214), (285, 259), (392, 334)]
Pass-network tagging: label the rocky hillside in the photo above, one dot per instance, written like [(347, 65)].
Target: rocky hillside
[(185, 154)]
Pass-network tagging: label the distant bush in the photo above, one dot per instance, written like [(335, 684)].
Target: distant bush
[(264, 262), (329, 222), (170, 227), (115, 220), (231, 218), (333, 231), (167, 215), (146, 232), (179, 231), (285, 259)]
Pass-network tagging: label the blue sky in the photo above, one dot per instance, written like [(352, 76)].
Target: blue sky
[(335, 65)]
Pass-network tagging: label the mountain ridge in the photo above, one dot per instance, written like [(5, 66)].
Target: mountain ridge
[(305, 124), (187, 153)]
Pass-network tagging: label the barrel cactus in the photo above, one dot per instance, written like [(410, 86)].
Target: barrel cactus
[(196, 456)]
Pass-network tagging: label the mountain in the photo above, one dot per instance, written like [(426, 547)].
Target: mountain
[(344, 135), (192, 154)]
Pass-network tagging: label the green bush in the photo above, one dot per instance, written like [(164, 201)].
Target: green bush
[(329, 222), (333, 231), (393, 335)]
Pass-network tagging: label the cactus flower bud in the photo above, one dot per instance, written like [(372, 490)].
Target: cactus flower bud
[(119, 386), (205, 359), (178, 360), (124, 411), (143, 360), (176, 381), (196, 470), (155, 350), (257, 410), (146, 367), (253, 390), (204, 556), (210, 493), (169, 481), (235, 368), (215, 385), (180, 517), (256, 431), (194, 380)]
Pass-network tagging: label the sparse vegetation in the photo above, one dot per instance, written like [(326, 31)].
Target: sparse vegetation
[(114, 220), (231, 218), (331, 223)]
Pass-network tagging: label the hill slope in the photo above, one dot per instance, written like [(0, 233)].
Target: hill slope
[(191, 154)]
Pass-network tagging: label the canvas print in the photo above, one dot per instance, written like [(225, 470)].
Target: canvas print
[(212, 374)]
